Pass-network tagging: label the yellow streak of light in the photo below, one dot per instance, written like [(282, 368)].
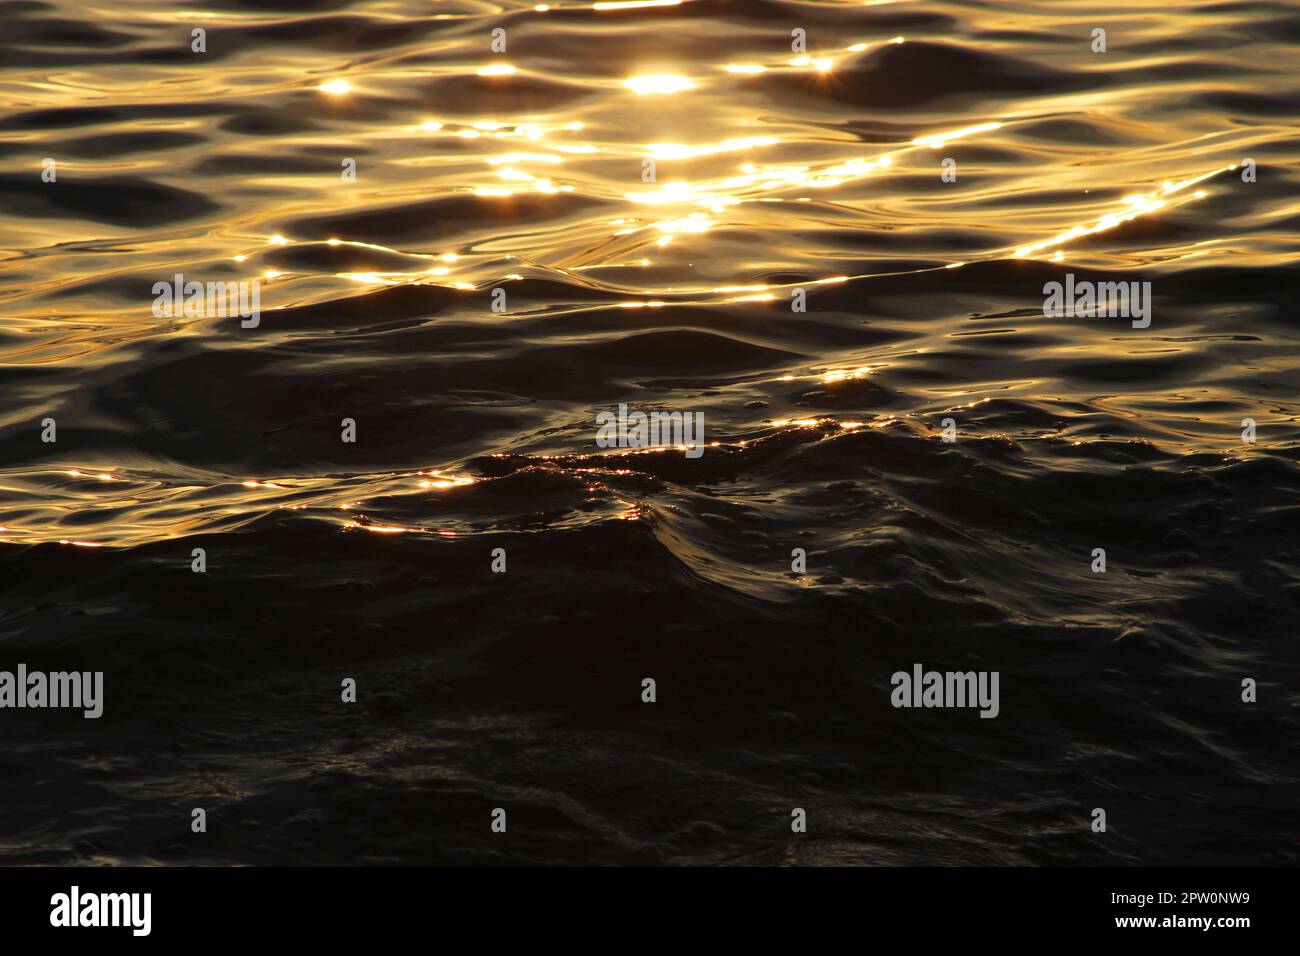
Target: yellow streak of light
[(937, 140), (678, 151), (633, 4), (658, 83), (523, 158), (841, 375), (696, 222), (1138, 205)]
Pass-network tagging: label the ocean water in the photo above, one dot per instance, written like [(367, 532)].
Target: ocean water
[(520, 179)]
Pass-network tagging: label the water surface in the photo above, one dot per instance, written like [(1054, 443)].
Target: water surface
[(775, 171)]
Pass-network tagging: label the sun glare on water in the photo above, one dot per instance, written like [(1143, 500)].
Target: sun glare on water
[(660, 83)]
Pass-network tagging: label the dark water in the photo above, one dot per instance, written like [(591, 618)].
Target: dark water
[(475, 431)]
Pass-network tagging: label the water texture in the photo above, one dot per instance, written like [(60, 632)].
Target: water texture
[(775, 171)]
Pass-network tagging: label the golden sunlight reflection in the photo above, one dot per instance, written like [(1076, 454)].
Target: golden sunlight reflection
[(710, 170), (942, 139), (658, 83), (457, 481), (103, 490), (501, 158), (633, 4), (842, 375), (1136, 205), (678, 151), (755, 180), (695, 222)]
